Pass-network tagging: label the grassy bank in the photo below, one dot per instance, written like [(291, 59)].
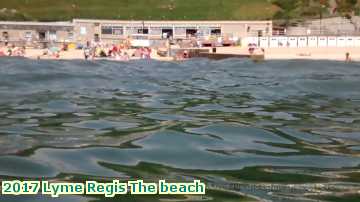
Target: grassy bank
[(49, 10)]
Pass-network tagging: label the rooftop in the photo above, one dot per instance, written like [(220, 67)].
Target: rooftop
[(171, 21), (60, 24)]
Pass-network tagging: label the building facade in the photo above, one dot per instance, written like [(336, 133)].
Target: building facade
[(112, 31), (28, 33)]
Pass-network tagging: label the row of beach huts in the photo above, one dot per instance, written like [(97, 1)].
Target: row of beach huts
[(303, 41)]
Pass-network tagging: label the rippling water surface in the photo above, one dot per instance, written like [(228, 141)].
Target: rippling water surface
[(290, 125)]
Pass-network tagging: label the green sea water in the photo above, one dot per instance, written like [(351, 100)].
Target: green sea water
[(275, 131)]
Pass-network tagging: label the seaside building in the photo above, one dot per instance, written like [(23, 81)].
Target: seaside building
[(112, 30), (36, 33)]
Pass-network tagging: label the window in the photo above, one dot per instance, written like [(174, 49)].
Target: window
[(112, 30), (216, 31), (70, 35), (28, 35), (5, 35), (191, 32), (118, 31), (167, 33), (42, 36), (106, 30), (155, 31), (204, 31), (83, 30), (52, 35), (143, 31)]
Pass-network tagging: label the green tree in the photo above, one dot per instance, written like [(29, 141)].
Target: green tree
[(299, 9), (287, 9), (346, 8)]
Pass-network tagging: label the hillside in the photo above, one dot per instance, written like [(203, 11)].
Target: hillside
[(48, 10)]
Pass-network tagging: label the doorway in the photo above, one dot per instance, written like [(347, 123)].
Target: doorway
[(42, 36), (191, 32), (216, 32), (5, 35), (167, 33), (52, 36)]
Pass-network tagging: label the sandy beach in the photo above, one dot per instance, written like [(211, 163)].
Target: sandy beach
[(75, 54), (329, 53)]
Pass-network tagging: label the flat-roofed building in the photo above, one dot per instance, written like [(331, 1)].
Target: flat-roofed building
[(112, 31), (115, 30), (33, 33)]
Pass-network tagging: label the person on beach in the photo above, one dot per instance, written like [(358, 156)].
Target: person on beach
[(251, 48), (57, 55), (137, 53), (2, 53), (64, 47), (114, 50), (126, 57), (23, 51), (186, 54), (9, 51), (87, 53), (347, 57), (147, 53), (142, 53)]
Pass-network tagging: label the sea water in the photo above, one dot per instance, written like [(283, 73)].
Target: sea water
[(276, 130)]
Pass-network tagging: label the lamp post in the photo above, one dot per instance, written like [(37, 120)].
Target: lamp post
[(321, 16), (320, 22)]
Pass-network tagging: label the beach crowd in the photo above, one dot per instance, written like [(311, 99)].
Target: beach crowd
[(12, 50), (91, 51), (121, 52)]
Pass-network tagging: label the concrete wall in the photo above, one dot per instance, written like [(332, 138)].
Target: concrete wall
[(85, 31), (27, 33), (234, 30), (16, 35), (31, 37), (336, 26)]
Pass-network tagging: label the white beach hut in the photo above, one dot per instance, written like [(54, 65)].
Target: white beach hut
[(312, 41)]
